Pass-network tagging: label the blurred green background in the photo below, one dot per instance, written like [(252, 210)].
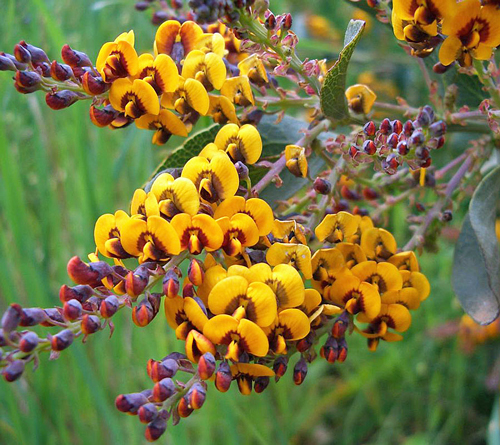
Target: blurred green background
[(58, 173)]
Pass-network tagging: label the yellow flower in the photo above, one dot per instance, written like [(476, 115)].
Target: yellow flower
[(417, 281), (160, 72), (239, 336), (165, 125), (289, 325), (365, 223), (197, 232), (335, 228), (296, 255), (212, 276), (188, 96), (235, 296), (254, 69), (312, 300), (378, 244), (107, 234), (154, 239), (215, 180), (289, 231), (211, 43), (197, 345), (410, 31), (352, 253), (135, 98), (296, 160), (423, 12), (473, 31), (325, 261), (241, 144), (238, 91), (360, 98), (258, 209), (118, 59), (144, 204), (408, 297), (283, 279), (222, 110), (175, 195), (177, 40), (209, 69), (384, 276), (183, 315), (405, 261), (239, 231), (356, 296)]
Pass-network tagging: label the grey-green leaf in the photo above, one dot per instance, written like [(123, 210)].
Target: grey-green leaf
[(332, 95), (476, 267)]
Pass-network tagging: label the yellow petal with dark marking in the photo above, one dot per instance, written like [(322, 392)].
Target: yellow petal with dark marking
[(337, 227), (384, 276), (296, 255), (253, 337)]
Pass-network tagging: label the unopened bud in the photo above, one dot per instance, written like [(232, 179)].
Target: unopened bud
[(141, 6), (322, 186), (402, 148), (280, 366), (52, 314), (160, 370), (196, 272), (287, 23), (13, 370), (385, 126), (206, 366), (370, 194), (392, 140), (60, 71), (143, 313), (424, 118), (92, 304), (32, 316), (94, 85), (397, 126), (72, 309), (11, 317), (61, 99), (242, 170), (163, 390), (422, 153), (196, 396), (329, 351), (75, 58), (223, 377), (439, 68), (270, 22), (342, 351), (341, 325), (147, 413), (62, 340), (102, 117), (408, 128), (188, 290), (305, 343), (37, 54), (109, 306), (261, 383), (437, 129), (28, 342), (447, 216), (159, 17), (22, 54), (91, 274), (390, 164), (90, 324), (81, 292), (130, 403), (369, 129), (369, 147), (300, 371), (136, 281), (183, 408), (350, 195), (353, 151), (171, 284), (28, 79), (155, 429), (416, 139), (6, 63)]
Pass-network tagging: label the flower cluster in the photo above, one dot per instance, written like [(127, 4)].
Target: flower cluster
[(257, 289), (393, 143), (166, 91), (470, 26)]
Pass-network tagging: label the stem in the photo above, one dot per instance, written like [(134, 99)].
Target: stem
[(286, 102), (436, 210), (280, 164), (488, 82)]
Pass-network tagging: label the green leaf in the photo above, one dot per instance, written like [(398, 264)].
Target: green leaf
[(476, 266), (332, 95), (494, 425)]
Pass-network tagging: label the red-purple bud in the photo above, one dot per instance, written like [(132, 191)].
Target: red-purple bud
[(81, 292), (370, 194), (183, 408), (81, 272), (28, 342), (147, 413), (94, 85), (13, 370), (160, 370), (136, 281), (188, 290), (353, 151), (369, 129), (60, 71), (171, 284), (300, 371), (6, 63), (369, 147), (90, 324), (52, 314), (408, 128), (392, 140), (196, 396), (72, 309), (305, 343), (11, 317), (403, 148), (261, 383), (102, 117), (385, 126), (342, 351), (21, 53), (397, 126), (37, 54), (437, 129), (61, 99), (223, 377), (163, 390), (62, 340), (130, 403), (439, 68), (422, 153), (280, 366), (155, 429), (206, 366), (242, 170), (92, 304), (142, 6), (390, 164), (32, 316), (143, 313), (329, 351), (28, 79), (322, 186), (287, 23), (270, 22), (196, 272), (75, 58), (109, 306), (350, 195)]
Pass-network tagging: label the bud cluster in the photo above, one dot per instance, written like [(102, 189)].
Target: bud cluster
[(393, 143)]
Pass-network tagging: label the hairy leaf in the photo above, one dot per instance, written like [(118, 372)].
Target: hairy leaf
[(332, 95), (476, 267)]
